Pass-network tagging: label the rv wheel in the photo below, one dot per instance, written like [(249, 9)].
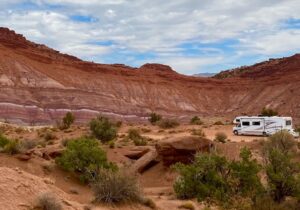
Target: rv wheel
[(265, 134), (236, 133)]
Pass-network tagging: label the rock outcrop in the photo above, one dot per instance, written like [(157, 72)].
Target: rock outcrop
[(145, 161), (182, 149), (39, 85)]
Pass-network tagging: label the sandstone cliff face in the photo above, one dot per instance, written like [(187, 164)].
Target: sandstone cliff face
[(38, 85)]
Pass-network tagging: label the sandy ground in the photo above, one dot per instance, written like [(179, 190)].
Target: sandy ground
[(156, 182)]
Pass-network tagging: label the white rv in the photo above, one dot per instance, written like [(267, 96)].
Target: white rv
[(265, 126)]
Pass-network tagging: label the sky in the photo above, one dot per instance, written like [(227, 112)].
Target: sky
[(192, 36)]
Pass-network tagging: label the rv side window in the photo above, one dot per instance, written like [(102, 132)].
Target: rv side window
[(246, 123), (257, 123), (288, 122)]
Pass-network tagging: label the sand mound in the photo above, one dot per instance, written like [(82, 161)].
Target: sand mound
[(20, 190)]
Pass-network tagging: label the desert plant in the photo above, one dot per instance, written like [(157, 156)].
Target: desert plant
[(281, 140), (136, 137), (85, 157), (67, 120), (28, 144), (103, 129), (116, 187), (282, 175), (3, 140), (211, 176), (245, 180), (48, 201), (187, 205), (111, 144), (220, 137), (282, 171), (12, 147), (203, 178), (168, 123), (154, 118), (266, 202), (198, 132), (196, 121), (48, 136), (268, 112), (218, 123)]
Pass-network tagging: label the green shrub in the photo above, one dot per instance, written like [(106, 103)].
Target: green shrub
[(48, 136), (85, 157), (268, 112), (283, 173), (187, 205), (111, 144), (116, 187), (202, 179), (281, 140), (168, 123), (103, 129), (48, 201), (137, 139), (220, 137), (154, 118), (28, 144), (244, 174), (196, 121), (3, 140), (12, 147), (198, 132), (211, 176), (266, 202), (68, 120)]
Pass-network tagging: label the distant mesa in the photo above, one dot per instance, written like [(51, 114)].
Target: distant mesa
[(39, 85), (158, 67)]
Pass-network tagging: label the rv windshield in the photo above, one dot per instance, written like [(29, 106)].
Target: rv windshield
[(288, 122)]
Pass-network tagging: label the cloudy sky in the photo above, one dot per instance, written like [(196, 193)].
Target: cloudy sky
[(192, 36)]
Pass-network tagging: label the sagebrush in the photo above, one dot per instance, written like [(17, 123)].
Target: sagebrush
[(85, 157)]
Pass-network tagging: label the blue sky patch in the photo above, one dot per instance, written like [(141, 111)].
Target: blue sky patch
[(83, 18)]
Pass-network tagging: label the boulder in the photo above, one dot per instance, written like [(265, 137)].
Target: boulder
[(182, 149), (136, 152), (23, 157), (146, 161)]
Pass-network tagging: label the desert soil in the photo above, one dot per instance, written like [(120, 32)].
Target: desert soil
[(156, 182)]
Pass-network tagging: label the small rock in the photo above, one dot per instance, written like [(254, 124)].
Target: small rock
[(23, 157)]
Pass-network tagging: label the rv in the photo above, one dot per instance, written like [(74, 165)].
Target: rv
[(262, 126)]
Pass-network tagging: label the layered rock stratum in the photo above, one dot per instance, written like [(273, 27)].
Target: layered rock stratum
[(38, 85)]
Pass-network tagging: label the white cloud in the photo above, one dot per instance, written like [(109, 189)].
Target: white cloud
[(159, 27), (278, 42), (189, 65)]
